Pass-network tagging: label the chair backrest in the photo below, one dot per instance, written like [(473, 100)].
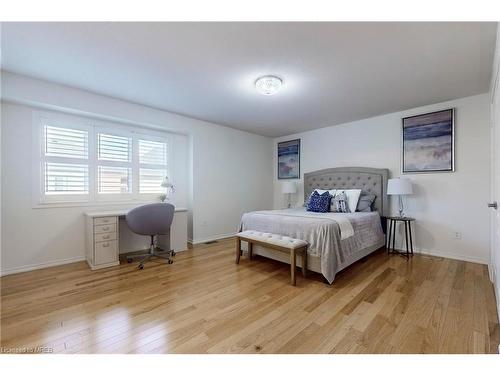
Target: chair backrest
[(151, 219)]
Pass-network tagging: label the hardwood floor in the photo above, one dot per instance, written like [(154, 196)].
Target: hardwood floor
[(205, 303)]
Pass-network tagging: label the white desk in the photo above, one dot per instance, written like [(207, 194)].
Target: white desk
[(103, 245)]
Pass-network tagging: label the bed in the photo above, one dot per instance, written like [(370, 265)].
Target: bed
[(336, 240)]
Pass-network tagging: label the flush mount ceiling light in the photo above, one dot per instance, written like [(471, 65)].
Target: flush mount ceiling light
[(268, 85)]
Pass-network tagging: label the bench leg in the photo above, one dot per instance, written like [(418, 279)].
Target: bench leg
[(304, 262), (250, 250), (293, 260), (238, 250)]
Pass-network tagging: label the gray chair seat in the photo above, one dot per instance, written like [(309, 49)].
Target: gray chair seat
[(151, 220)]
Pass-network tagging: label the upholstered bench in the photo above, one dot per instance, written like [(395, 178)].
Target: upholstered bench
[(274, 242)]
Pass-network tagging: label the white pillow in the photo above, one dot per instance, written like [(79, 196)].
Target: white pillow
[(332, 191), (352, 198)]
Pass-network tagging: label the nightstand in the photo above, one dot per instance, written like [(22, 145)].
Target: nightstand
[(391, 235)]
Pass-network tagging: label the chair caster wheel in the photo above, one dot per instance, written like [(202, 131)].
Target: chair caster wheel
[(170, 261), (129, 260), (173, 253), (141, 266)]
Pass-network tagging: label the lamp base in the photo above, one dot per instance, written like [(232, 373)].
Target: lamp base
[(401, 207)]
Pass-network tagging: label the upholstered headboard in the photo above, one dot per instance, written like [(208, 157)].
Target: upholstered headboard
[(369, 180)]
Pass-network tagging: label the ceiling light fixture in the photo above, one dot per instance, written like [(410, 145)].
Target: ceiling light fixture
[(268, 85)]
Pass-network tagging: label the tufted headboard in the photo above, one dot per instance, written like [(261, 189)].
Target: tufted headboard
[(370, 180)]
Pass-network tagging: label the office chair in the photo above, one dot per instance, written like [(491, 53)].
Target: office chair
[(151, 220)]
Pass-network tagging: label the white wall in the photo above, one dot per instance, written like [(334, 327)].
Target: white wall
[(444, 203), (228, 172)]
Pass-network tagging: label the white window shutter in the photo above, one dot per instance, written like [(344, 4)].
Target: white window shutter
[(64, 178), (114, 148), (151, 152), (113, 180), (65, 161), (150, 180), (66, 142), (152, 166), (114, 168)]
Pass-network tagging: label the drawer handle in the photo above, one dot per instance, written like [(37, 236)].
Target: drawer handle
[(106, 237), (105, 228), (105, 244)]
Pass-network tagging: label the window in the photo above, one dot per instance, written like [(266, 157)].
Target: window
[(91, 161), (114, 164), (65, 163), (152, 166)]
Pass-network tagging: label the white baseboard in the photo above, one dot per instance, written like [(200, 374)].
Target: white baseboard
[(491, 273), (496, 288), (465, 258), (31, 267), (198, 241)]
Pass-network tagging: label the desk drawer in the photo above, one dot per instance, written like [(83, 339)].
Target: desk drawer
[(105, 220), (104, 228), (100, 237), (106, 252)]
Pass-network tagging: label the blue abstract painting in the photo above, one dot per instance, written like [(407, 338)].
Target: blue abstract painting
[(289, 159), (428, 142)]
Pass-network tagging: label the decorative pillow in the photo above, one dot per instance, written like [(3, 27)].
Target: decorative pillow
[(319, 202), (352, 198), (339, 203), (365, 202), (320, 191)]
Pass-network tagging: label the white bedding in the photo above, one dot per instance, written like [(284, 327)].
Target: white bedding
[(334, 237), (345, 226)]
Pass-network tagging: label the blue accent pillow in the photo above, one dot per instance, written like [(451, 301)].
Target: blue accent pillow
[(319, 202)]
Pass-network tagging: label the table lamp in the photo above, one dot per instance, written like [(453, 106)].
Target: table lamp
[(399, 187), (169, 188), (289, 188)]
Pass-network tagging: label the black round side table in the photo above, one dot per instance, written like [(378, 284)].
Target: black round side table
[(391, 235)]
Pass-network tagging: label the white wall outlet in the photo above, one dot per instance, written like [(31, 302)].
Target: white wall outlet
[(457, 235)]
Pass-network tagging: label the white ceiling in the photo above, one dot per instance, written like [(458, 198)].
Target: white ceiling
[(333, 72)]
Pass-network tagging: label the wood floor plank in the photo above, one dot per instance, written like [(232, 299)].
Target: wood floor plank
[(204, 303)]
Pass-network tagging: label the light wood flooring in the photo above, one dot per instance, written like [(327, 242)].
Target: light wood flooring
[(205, 303)]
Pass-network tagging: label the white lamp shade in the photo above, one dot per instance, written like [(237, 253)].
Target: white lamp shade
[(399, 186), (289, 187)]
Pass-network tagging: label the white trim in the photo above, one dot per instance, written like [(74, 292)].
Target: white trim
[(441, 254), (496, 288), (210, 238), (497, 297), (32, 267), (451, 256)]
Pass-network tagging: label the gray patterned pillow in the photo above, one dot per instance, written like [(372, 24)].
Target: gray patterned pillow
[(365, 202), (339, 203)]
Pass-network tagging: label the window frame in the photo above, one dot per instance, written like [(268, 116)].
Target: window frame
[(120, 132), (93, 127)]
